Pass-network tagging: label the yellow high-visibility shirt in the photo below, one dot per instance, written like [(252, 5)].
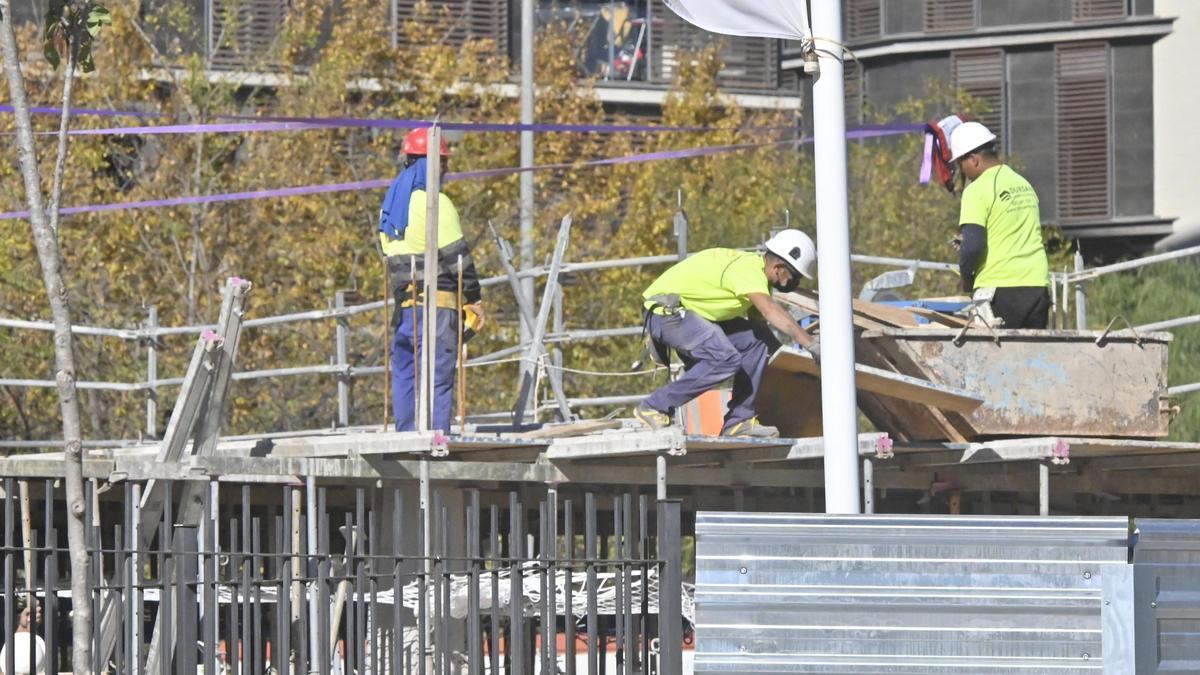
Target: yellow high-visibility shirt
[(715, 283), (413, 243)]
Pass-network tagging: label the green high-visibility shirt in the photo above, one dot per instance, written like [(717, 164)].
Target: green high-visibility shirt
[(715, 283), (1006, 206), (449, 228)]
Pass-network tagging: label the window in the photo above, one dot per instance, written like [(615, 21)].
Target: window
[(749, 63), (980, 73), (244, 32), (1082, 115), (855, 84), (1096, 10), (864, 19), (464, 20), (950, 15)]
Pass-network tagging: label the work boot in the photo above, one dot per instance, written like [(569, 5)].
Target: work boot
[(650, 417), (750, 428)]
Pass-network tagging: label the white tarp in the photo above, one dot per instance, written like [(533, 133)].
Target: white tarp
[(784, 19)]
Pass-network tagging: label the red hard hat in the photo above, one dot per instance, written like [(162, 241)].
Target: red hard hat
[(417, 143)]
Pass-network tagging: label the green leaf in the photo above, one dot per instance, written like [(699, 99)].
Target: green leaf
[(98, 17)]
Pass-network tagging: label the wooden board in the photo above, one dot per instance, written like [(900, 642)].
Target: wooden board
[(572, 429), (808, 303), (943, 319), (867, 315), (881, 382)]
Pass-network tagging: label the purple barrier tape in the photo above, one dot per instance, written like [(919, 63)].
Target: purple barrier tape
[(468, 175)]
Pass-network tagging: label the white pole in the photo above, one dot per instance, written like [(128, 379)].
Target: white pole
[(525, 198), (839, 406), (428, 354)]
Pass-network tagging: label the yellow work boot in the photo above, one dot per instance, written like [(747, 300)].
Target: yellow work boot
[(650, 417), (750, 428)]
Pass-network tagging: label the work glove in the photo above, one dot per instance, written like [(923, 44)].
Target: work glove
[(814, 349)]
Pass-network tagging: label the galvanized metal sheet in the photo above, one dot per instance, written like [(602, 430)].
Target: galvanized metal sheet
[(1034, 383), (1167, 596), (902, 594)]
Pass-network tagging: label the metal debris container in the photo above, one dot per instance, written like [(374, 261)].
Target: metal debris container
[(1034, 382)]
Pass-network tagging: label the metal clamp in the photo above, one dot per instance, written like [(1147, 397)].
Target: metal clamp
[(1137, 339), (962, 334)]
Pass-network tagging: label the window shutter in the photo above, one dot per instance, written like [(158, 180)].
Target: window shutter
[(980, 73), (950, 15), (1095, 10), (465, 20), (245, 31), (855, 84), (750, 63), (1083, 112), (864, 19)]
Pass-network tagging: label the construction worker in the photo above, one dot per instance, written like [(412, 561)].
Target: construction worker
[(1002, 259), (402, 237), (699, 308)]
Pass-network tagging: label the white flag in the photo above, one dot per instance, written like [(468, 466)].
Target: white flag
[(783, 19)]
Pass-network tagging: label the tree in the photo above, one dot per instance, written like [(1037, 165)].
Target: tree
[(71, 28)]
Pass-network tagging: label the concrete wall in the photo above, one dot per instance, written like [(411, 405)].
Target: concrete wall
[(1016, 12), (1176, 100), (892, 80)]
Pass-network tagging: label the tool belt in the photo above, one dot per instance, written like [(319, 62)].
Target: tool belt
[(667, 304), (443, 299)]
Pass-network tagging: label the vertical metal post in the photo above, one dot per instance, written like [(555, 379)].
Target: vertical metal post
[(428, 353), (343, 383), (152, 373), (556, 355), (589, 555), (680, 225), (660, 466), (612, 39), (310, 490), (1081, 322), (393, 31), (1043, 489), (516, 616), (670, 602), (868, 482), (525, 198), (838, 398)]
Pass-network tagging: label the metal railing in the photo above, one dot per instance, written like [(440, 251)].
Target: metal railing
[(1062, 284), (315, 579)]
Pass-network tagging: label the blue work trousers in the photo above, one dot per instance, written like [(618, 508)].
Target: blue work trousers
[(404, 381), (712, 353)]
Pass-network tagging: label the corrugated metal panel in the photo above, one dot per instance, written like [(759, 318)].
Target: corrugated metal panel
[(1083, 112), (1095, 10), (950, 15), (244, 32), (980, 73), (750, 63), (864, 19), (1167, 588), (464, 20), (903, 594)]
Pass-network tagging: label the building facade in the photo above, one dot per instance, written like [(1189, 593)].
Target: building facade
[(1070, 85)]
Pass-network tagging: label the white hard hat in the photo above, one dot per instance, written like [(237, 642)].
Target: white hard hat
[(796, 249), (968, 137)]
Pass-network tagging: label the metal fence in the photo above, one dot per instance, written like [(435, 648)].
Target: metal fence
[(241, 578), (936, 594)]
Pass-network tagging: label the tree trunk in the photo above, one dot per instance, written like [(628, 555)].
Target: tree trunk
[(46, 241)]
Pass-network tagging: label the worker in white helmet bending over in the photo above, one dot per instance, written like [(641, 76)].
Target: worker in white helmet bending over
[(1001, 255), (699, 307)]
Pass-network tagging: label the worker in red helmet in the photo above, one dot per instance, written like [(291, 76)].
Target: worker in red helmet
[(402, 237)]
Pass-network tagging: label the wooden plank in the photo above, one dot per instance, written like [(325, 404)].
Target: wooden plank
[(572, 429), (867, 315), (881, 382), (940, 318), (808, 303)]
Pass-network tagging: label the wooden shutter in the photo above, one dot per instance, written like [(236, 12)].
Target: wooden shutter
[(980, 73), (1096, 10), (464, 20), (864, 19), (1083, 111), (950, 15), (750, 63), (244, 32)]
